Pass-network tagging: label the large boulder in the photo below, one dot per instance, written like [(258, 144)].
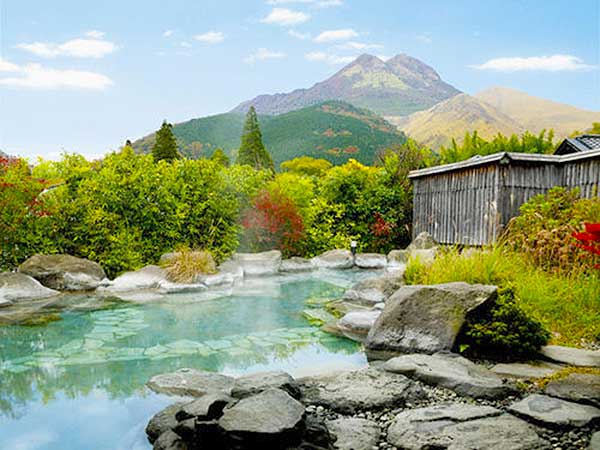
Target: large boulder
[(169, 440), (554, 412), (374, 290), (162, 421), (398, 257), (64, 272), (423, 241), (577, 387), (426, 319), (207, 407), (365, 389), (255, 383), (571, 356), (370, 261), (272, 419), (334, 259), (257, 264), (296, 264), (16, 287), (191, 382), (353, 433), (355, 325), (452, 372)]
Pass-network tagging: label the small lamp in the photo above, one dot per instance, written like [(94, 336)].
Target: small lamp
[(353, 247)]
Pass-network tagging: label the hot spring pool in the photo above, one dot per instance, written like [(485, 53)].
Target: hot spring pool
[(78, 383)]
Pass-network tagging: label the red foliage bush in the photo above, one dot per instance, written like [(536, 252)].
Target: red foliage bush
[(589, 240)]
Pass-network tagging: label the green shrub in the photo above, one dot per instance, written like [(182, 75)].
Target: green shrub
[(184, 265)]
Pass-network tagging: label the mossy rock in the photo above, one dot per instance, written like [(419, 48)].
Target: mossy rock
[(40, 320)]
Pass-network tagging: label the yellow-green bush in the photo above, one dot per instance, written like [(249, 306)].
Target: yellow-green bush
[(184, 265)]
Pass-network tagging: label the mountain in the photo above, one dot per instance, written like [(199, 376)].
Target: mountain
[(396, 87), (536, 114), (333, 130), (452, 118)]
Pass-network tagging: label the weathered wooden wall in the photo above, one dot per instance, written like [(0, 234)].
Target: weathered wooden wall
[(470, 206)]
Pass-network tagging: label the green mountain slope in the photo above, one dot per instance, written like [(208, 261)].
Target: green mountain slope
[(332, 130)]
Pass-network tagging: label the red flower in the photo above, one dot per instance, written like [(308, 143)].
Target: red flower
[(590, 239)]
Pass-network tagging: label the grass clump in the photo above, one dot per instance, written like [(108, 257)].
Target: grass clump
[(185, 265)]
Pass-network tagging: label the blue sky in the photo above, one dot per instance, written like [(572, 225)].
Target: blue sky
[(84, 76)]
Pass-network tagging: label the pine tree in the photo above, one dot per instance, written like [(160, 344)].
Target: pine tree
[(220, 157), (252, 151), (165, 147)]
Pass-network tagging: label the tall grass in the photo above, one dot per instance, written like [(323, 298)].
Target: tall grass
[(568, 304), (185, 265)]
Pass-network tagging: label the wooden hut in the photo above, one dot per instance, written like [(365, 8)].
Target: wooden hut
[(470, 202)]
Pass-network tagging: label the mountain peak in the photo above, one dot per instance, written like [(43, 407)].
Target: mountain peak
[(367, 60)]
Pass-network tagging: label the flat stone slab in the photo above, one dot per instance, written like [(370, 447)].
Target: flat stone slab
[(577, 387), (191, 382), (523, 370), (572, 356), (296, 264), (334, 259), (354, 433), (413, 431), (365, 389), (452, 372), (555, 412), (256, 383)]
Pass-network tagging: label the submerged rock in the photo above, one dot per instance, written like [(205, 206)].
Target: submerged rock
[(370, 261), (555, 412), (577, 387), (17, 287), (354, 433), (571, 356), (255, 383), (64, 272), (296, 264), (426, 318), (191, 382), (334, 259), (254, 264), (452, 372)]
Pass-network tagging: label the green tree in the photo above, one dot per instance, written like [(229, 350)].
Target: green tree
[(307, 165), (220, 157), (165, 147), (252, 150)]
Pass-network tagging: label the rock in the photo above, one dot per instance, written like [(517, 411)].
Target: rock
[(522, 370), (217, 279), (595, 441), (341, 307), (413, 430), (452, 372), (149, 277), (254, 264), (354, 433), (17, 287), (572, 356), (162, 421), (423, 241), (370, 261), (296, 264), (577, 387), (192, 382), (355, 325), (64, 272), (374, 290), (554, 412), (334, 259), (256, 383), (398, 257), (207, 407), (168, 287), (365, 389), (271, 419), (233, 268), (169, 440), (318, 316), (426, 319), (316, 434)]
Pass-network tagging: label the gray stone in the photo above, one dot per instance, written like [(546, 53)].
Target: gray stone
[(256, 383), (169, 440), (370, 261), (17, 287), (64, 272), (271, 419), (334, 259), (426, 319), (355, 325), (257, 264), (577, 387), (365, 389), (555, 412), (149, 277), (296, 264), (398, 257), (595, 441), (423, 241), (572, 356), (192, 382), (413, 432), (538, 369), (217, 279), (354, 433), (452, 372), (162, 421), (232, 268), (374, 290), (207, 407)]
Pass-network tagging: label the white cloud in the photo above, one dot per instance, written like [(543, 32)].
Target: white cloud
[(424, 38), (210, 37), (95, 34), (262, 53), (318, 3), (284, 16), (299, 35), (35, 76), (168, 33), (554, 63), (336, 35), (329, 58), (77, 48), (353, 45), (6, 66)]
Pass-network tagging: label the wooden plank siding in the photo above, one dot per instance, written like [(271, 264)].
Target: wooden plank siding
[(470, 203)]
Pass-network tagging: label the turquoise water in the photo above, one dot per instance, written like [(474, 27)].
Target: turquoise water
[(78, 383)]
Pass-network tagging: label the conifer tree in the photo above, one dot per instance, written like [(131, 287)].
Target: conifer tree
[(220, 157), (165, 147), (252, 151)]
